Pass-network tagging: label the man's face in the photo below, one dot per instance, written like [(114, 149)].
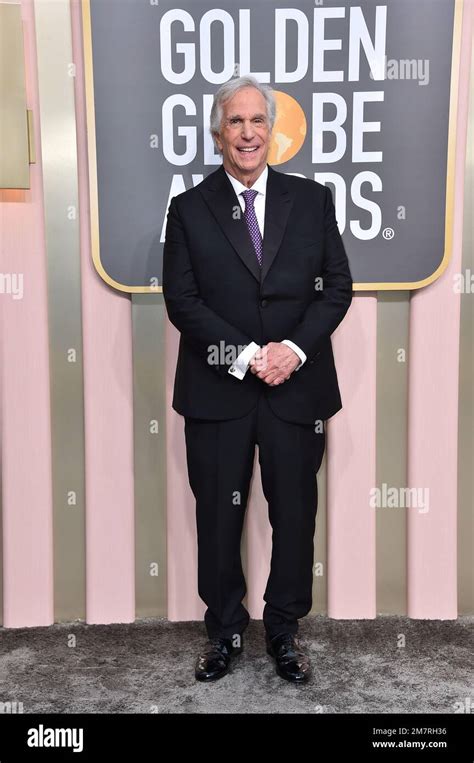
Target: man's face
[(244, 137)]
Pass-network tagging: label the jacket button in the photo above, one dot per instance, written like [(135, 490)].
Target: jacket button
[(263, 302)]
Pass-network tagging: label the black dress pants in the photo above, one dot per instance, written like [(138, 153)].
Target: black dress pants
[(220, 457)]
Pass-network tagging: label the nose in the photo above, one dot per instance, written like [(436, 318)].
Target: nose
[(247, 129)]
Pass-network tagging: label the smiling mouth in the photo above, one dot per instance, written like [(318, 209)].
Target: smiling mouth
[(248, 149)]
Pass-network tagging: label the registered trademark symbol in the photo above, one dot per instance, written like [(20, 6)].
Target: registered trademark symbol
[(388, 233)]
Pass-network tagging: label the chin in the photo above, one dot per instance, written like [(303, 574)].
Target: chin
[(243, 165)]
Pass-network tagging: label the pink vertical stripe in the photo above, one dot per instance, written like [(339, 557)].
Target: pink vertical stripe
[(433, 406), (108, 402), (259, 545), (183, 599), (25, 405), (351, 466)]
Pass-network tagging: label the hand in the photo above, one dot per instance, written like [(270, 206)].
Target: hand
[(274, 363)]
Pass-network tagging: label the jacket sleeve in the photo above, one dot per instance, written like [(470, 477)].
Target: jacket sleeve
[(199, 325), (331, 303)]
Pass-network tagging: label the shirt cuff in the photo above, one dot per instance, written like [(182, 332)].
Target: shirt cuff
[(240, 366), (298, 351)]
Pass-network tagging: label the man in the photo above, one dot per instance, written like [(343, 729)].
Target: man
[(256, 279)]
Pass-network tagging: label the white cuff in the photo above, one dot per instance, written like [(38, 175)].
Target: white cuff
[(240, 366), (298, 351)]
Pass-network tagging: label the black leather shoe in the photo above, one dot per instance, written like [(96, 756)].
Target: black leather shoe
[(291, 661), (214, 661)]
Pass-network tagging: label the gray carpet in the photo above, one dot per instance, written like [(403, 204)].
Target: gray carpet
[(148, 666)]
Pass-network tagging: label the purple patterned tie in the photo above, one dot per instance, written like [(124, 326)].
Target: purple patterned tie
[(252, 223)]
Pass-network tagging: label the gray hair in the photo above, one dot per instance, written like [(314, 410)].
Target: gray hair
[(228, 90)]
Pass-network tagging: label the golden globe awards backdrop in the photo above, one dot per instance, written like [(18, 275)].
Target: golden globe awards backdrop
[(366, 103)]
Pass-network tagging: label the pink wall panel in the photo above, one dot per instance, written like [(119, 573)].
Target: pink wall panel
[(259, 545), (351, 466), (183, 600), (433, 408), (25, 407), (108, 401)]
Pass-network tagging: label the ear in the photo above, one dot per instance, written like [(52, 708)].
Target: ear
[(217, 140)]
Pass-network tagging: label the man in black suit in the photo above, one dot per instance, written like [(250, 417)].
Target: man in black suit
[(256, 279)]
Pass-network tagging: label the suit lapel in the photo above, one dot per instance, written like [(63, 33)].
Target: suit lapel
[(278, 204), (223, 203)]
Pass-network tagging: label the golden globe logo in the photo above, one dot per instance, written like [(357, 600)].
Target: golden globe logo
[(350, 119)]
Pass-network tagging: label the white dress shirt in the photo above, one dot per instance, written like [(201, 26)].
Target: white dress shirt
[(241, 364)]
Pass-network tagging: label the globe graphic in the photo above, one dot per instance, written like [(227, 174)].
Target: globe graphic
[(289, 130)]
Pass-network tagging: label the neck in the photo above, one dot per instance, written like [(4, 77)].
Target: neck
[(245, 178)]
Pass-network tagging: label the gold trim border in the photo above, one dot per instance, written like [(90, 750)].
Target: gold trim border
[(384, 286)]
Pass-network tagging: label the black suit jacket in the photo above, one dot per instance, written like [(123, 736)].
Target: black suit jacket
[(217, 296)]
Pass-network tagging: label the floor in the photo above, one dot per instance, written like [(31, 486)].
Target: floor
[(388, 665)]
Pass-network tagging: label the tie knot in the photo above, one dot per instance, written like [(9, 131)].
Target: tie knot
[(249, 196)]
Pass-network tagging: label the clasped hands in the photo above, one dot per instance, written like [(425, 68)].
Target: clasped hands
[(274, 363)]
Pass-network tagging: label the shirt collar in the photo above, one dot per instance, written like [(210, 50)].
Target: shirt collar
[(260, 184)]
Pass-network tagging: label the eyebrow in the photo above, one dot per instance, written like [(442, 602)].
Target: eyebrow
[(238, 116)]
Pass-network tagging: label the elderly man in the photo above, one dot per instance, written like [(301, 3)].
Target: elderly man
[(256, 279)]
